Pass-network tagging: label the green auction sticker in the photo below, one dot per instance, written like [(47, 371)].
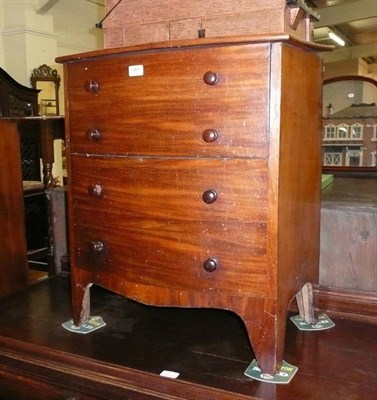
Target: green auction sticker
[(321, 323), (93, 324), (284, 376)]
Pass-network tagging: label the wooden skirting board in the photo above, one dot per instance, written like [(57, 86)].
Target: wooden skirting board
[(350, 304)]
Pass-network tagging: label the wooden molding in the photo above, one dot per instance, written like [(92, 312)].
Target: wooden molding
[(350, 304)]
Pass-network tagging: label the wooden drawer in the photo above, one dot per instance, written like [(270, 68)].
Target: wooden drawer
[(156, 228), (169, 110)]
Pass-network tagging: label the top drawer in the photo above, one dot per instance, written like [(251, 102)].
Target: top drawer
[(198, 102)]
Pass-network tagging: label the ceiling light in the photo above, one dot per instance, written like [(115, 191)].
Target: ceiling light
[(336, 39)]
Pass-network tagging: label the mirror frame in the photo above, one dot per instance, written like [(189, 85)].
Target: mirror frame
[(350, 78), (345, 171), (44, 73)]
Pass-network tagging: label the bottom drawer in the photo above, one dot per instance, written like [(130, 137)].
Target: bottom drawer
[(185, 223)]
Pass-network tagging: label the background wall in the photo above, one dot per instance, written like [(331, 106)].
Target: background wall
[(34, 32), (356, 66)]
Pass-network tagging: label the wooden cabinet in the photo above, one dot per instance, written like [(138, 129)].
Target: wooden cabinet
[(194, 177), (13, 260)]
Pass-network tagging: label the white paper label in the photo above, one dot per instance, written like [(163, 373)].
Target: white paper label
[(135, 70), (169, 374)]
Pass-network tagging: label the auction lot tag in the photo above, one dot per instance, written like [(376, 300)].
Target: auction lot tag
[(322, 322), (93, 324), (169, 374), (135, 70), (284, 376)]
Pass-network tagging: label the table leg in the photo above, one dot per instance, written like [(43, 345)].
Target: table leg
[(305, 303)]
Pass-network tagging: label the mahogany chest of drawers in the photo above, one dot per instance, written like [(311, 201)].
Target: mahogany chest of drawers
[(194, 177)]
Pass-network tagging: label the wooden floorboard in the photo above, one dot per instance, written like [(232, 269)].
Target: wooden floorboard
[(209, 348)]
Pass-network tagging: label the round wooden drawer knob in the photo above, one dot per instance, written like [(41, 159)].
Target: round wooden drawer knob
[(210, 264), (210, 78), (209, 196), (96, 246), (95, 190), (93, 134), (91, 86), (210, 135)]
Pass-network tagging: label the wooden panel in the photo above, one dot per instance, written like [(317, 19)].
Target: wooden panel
[(144, 11), (186, 28), (13, 260), (145, 33), (299, 168), (147, 21), (348, 247), (113, 37), (149, 114), (256, 21), (157, 229)]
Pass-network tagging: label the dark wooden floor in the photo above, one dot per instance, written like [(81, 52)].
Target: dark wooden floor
[(207, 347)]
